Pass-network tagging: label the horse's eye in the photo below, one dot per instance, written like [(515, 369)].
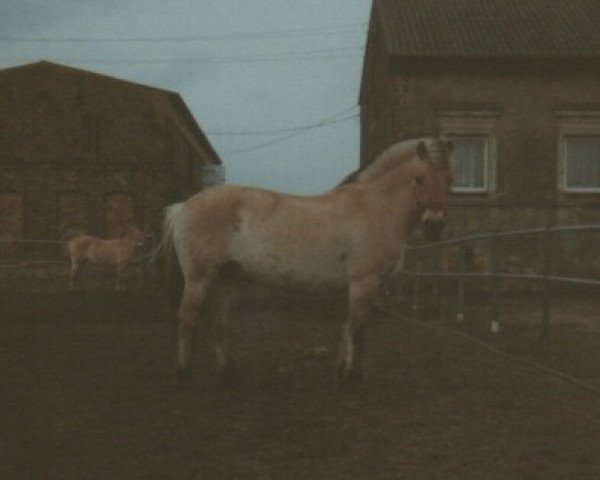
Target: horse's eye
[(419, 179)]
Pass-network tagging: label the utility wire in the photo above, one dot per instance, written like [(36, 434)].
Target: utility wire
[(299, 55), (288, 136), (326, 121), (323, 31)]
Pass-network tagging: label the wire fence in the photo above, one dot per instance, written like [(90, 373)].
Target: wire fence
[(419, 266), (42, 265), (38, 263)]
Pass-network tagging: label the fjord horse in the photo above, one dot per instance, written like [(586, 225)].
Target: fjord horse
[(114, 253), (349, 238)]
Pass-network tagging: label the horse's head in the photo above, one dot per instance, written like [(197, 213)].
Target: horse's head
[(433, 176)]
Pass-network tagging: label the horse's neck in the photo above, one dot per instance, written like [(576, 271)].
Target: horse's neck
[(395, 185), (395, 190)]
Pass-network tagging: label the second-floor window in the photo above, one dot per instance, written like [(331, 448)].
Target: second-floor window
[(471, 163), (581, 163), (474, 135), (579, 150)]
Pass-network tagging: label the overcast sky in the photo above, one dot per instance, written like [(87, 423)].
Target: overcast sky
[(273, 83)]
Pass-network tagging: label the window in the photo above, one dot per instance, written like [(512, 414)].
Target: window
[(471, 159), (579, 151), (581, 157), (473, 134)]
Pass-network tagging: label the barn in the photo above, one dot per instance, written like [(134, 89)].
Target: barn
[(85, 151), (516, 85)]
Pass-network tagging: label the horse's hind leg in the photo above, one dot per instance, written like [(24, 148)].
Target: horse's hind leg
[(194, 295), (223, 295), (362, 294)]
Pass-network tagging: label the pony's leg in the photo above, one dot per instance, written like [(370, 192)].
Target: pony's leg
[(362, 294), (194, 295)]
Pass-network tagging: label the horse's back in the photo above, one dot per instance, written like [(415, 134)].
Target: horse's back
[(272, 236), (276, 237)]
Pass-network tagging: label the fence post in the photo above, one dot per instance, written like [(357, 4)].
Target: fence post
[(415, 302), (435, 287), (495, 326), (545, 327), (460, 307)]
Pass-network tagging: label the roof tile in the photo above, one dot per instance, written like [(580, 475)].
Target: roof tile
[(490, 28)]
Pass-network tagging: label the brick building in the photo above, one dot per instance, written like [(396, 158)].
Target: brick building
[(80, 150), (515, 84)]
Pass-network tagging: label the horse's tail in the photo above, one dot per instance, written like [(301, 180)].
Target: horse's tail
[(166, 242)]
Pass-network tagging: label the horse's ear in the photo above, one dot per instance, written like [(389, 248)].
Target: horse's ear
[(422, 150)]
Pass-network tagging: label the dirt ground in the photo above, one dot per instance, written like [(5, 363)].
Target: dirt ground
[(88, 393)]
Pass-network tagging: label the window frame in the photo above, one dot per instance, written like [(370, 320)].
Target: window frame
[(486, 147), (565, 166), (476, 123), (573, 123)]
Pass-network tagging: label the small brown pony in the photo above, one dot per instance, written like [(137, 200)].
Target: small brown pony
[(348, 238), (115, 253)]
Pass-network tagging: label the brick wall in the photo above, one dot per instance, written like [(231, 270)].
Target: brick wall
[(407, 98), (85, 152)]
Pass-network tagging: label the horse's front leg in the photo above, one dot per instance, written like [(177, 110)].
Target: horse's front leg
[(362, 293)]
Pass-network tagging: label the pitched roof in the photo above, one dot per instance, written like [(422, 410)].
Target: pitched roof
[(174, 106), (491, 28), (53, 67)]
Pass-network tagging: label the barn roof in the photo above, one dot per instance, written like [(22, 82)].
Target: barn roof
[(171, 103), (491, 28)]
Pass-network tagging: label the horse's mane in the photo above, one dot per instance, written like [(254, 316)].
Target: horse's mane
[(395, 155)]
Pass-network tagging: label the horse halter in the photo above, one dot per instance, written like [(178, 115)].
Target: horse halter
[(431, 216), (433, 224)]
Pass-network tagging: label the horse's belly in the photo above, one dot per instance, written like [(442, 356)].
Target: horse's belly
[(298, 269)]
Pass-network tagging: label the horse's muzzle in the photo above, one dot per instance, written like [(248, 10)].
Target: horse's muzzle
[(432, 229)]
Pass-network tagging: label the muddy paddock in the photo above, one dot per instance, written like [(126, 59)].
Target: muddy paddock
[(88, 393)]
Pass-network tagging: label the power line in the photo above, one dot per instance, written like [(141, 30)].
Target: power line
[(308, 126), (322, 31), (284, 56), (288, 136)]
